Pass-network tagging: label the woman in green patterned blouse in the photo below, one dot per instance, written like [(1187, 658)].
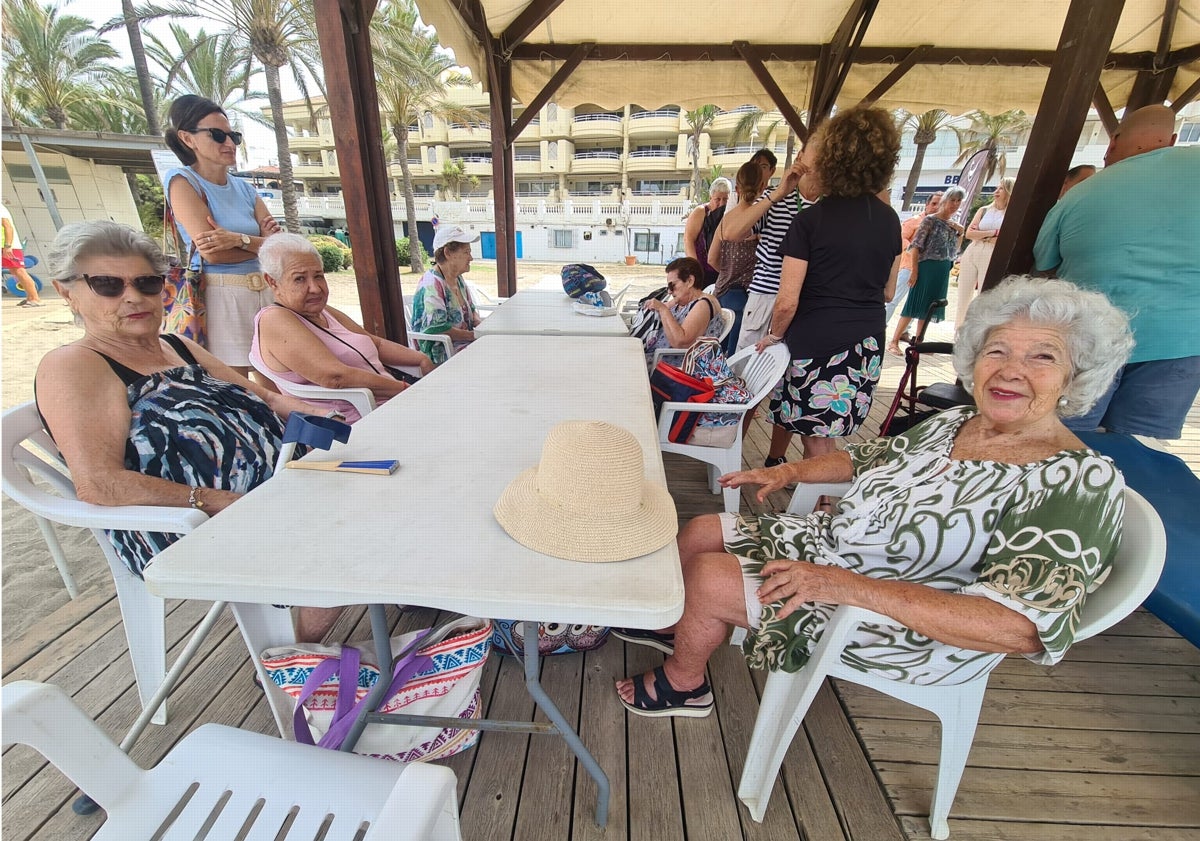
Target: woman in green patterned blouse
[(980, 531)]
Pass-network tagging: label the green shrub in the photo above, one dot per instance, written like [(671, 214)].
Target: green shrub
[(402, 253), (331, 256)]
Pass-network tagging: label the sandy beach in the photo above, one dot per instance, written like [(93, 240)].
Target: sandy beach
[(32, 587)]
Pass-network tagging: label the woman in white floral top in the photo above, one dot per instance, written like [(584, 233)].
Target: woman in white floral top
[(980, 531), (443, 304)]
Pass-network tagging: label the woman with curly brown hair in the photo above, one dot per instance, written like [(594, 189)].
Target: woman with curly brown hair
[(843, 253)]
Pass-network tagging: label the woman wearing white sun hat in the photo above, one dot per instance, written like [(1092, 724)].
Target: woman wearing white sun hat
[(443, 304)]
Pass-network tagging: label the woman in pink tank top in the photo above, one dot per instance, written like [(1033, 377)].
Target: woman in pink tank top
[(303, 340)]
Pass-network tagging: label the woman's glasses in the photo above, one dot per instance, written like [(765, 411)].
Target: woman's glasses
[(111, 286), (219, 135)]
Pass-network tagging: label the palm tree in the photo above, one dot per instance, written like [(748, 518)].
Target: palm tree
[(217, 67), (698, 122), (116, 105), (141, 69), (991, 132), (277, 33), (53, 61), (412, 73), (748, 128), (925, 128)]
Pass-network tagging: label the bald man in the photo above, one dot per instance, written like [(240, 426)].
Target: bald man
[(1132, 231)]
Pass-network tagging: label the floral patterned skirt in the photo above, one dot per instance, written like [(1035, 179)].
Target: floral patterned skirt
[(828, 398)]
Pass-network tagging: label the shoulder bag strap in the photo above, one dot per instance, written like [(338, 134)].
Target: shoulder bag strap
[(329, 332)]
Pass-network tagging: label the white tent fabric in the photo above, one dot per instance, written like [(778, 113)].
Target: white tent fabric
[(898, 24)]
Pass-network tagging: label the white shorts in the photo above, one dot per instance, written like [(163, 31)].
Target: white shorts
[(756, 319), (229, 320)]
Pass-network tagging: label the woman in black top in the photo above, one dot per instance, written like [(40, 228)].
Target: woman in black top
[(844, 253)]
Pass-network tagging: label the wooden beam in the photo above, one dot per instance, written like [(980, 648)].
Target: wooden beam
[(529, 19), (1108, 117), (1149, 88), (821, 71), (1187, 96), (556, 82), (1184, 55), (902, 67), (1170, 14), (343, 31), (973, 57), (503, 191), (773, 90), (843, 50), (1070, 88)]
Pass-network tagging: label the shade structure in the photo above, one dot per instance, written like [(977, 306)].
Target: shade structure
[(981, 54)]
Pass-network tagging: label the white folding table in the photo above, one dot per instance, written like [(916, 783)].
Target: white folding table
[(548, 312), (426, 534)]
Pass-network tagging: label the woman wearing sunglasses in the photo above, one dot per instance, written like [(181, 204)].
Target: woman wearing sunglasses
[(689, 312), (149, 419), (222, 222)]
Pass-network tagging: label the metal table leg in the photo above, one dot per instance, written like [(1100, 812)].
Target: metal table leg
[(383, 656), (565, 729)]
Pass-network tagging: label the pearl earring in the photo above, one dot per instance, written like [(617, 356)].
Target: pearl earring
[(1062, 401)]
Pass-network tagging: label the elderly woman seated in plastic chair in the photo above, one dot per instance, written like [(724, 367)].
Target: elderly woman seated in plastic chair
[(980, 531), (143, 418), (302, 340), (688, 313)]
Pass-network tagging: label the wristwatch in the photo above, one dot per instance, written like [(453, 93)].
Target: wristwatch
[(245, 240)]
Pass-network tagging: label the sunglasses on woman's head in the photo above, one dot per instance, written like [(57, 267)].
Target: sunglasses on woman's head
[(219, 135), (111, 286)]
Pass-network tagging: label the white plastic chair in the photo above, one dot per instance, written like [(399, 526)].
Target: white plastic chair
[(786, 698), (728, 317), (361, 399), (246, 785), (143, 614), (761, 371), (414, 337), (484, 302)]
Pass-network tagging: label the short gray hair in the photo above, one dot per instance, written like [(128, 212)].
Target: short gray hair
[(954, 193), (1097, 333), (82, 240), (278, 247), (720, 185)]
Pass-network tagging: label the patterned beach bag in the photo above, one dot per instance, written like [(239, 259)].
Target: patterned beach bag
[(553, 637), (436, 672)]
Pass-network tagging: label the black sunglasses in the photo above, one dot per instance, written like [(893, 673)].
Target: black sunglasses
[(111, 286), (219, 135)]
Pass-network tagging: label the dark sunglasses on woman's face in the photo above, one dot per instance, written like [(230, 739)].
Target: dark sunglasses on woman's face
[(219, 135), (111, 286)]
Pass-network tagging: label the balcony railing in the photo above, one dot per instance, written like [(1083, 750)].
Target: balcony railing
[(653, 153), (607, 156), (527, 156), (734, 150), (473, 159), (480, 126), (646, 115), (594, 118), (741, 109)]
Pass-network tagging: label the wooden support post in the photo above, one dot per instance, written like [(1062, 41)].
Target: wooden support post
[(1187, 96), (902, 67), (772, 88), (1070, 88), (1149, 88), (343, 29), (556, 82), (1104, 109), (502, 178)]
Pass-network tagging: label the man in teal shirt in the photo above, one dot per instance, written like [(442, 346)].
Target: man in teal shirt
[(1132, 231)]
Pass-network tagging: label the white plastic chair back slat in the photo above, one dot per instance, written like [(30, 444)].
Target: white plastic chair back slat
[(785, 701), (414, 336), (237, 783), (761, 371), (728, 317), (361, 399)]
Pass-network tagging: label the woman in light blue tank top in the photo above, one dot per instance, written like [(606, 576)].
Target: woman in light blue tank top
[(222, 222)]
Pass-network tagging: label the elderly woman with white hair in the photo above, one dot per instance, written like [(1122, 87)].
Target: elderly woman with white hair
[(701, 227), (301, 339), (144, 418), (981, 531)]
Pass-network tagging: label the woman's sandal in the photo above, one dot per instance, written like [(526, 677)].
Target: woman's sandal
[(662, 642), (692, 703)]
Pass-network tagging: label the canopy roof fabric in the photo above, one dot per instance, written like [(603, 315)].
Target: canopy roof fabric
[(983, 54)]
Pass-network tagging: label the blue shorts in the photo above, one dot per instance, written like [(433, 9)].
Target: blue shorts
[(1146, 398)]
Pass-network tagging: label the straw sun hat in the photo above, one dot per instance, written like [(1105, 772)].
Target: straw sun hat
[(588, 498)]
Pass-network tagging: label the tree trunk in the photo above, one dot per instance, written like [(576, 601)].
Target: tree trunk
[(400, 130), (914, 175), (287, 182), (145, 85), (696, 166), (789, 150)]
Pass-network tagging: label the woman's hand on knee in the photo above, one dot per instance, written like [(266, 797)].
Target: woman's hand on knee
[(795, 583), (769, 480)]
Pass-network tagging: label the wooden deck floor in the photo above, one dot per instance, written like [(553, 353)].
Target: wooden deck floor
[(1103, 747)]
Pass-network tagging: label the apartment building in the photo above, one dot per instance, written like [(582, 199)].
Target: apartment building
[(598, 184)]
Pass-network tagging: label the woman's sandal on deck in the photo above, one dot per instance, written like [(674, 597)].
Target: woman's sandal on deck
[(692, 703), (662, 642)]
